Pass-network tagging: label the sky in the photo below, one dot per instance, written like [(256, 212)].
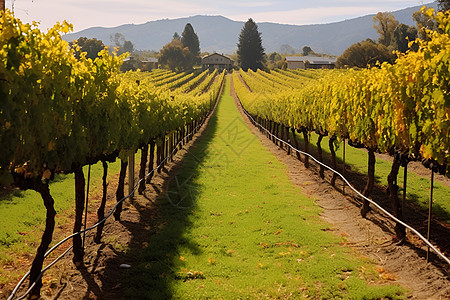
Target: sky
[(110, 13)]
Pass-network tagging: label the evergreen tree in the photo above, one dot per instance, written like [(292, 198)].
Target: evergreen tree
[(404, 34), (444, 5), (307, 51), (250, 50), (190, 40)]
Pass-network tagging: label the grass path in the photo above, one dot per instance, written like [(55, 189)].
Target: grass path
[(22, 219), (234, 226)]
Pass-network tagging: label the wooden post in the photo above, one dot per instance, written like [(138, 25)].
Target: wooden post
[(131, 174), (405, 177), (343, 169), (86, 205), (429, 212), (2, 4)]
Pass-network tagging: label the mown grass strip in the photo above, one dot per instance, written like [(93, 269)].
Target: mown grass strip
[(22, 218), (233, 226)]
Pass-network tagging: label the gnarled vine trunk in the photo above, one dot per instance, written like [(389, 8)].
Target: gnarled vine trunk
[(120, 194), (393, 191), (296, 145), (306, 139), (370, 182), (46, 239), (319, 153), (333, 159), (144, 155), (152, 160), (101, 209), (78, 251)]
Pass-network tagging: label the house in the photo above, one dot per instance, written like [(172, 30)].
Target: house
[(129, 63), (217, 61), (149, 63), (310, 62), (133, 63)]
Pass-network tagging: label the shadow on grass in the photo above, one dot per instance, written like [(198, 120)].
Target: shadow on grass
[(152, 252), (154, 249)]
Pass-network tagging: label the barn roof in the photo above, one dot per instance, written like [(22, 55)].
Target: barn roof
[(150, 60), (215, 54)]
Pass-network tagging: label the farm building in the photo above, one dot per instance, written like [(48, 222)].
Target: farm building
[(310, 62), (217, 61), (133, 63), (149, 63)]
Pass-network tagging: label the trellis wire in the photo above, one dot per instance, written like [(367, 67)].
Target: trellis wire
[(95, 225), (426, 241)]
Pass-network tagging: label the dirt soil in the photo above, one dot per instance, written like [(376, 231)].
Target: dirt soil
[(102, 275)]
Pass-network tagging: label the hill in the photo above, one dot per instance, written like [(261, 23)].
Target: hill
[(220, 34)]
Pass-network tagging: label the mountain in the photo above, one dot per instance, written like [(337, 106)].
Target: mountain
[(220, 34)]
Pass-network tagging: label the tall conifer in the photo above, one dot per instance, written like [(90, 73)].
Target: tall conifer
[(190, 39), (250, 50)]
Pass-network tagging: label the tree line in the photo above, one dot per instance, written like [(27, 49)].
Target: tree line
[(183, 52)]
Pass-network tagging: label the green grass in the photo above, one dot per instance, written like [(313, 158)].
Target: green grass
[(233, 226), (22, 216), (418, 187)]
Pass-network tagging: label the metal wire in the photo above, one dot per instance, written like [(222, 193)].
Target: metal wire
[(441, 255), (194, 130), (96, 224)]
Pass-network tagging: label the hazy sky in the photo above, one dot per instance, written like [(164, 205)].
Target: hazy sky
[(83, 13)]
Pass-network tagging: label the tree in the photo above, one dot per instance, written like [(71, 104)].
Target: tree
[(190, 40), (250, 50), (404, 34), (444, 5), (307, 51), (424, 23), (364, 54), (385, 24), (121, 43), (176, 36), (287, 49), (91, 46), (128, 47), (274, 57), (176, 57)]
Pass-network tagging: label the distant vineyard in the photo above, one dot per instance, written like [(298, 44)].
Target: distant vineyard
[(59, 113)]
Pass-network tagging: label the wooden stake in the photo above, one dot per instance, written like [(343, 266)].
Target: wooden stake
[(405, 178), (343, 169), (86, 205), (131, 174), (429, 213)]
